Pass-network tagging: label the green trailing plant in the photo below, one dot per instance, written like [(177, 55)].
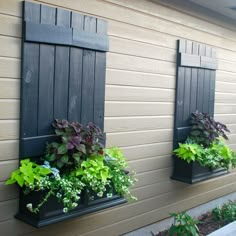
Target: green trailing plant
[(28, 174), (98, 171), (205, 130), (184, 225), (227, 212)]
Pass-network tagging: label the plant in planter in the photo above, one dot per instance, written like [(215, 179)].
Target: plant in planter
[(74, 166), (206, 145)]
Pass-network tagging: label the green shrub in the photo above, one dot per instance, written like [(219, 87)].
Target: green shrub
[(184, 225)]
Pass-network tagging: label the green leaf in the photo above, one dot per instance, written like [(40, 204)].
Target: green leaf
[(10, 181), (81, 148), (60, 164), (62, 149), (76, 156), (65, 159), (19, 180)]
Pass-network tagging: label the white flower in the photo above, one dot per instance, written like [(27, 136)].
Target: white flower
[(65, 210), (109, 195), (30, 206)]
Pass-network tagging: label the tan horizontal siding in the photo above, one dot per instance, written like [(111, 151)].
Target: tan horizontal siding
[(122, 93), (9, 150), (139, 137), (9, 88), (123, 124), (9, 129), (139, 109), (141, 79), (8, 192), (9, 67), (10, 109)]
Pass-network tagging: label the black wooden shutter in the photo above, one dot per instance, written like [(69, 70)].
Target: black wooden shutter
[(195, 85), (63, 72)]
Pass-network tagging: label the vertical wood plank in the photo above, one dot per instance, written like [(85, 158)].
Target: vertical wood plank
[(30, 76), (212, 86), (180, 87), (206, 84), (194, 82), (202, 51), (62, 59), (46, 77), (187, 87), (88, 75), (100, 74), (76, 70)]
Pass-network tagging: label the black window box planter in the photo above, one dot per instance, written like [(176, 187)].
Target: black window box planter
[(52, 211), (192, 172)]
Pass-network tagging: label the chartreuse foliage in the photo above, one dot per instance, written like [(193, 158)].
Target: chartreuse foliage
[(206, 144), (75, 163), (28, 174), (184, 225)]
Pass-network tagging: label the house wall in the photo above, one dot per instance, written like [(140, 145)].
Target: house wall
[(140, 89)]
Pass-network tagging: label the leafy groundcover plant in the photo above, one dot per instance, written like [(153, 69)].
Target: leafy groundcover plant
[(77, 162), (206, 144)]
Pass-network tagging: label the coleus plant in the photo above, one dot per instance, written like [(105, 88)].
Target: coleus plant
[(76, 142), (205, 129)]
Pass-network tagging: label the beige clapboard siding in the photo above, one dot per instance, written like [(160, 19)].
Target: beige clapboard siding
[(158, 214), (125, 124), (226, 118), (225, 97), (6, 167), (9, 150), (9, 67), (10, 26), (133, 63), (225, 87), (140, 79), (147, 150), (225, 108), (156, 189), (130, 15), (128, 93), (138, 18), (232, 138), (8, 192), (138, 109), (138, 137), (9, 88), (232, 128), (226, 65), (225, 76), (131, 47), (133, 32), (12, 47), (150, 164), (178, 17), (9, 129), (118, 214), (8, 209), (151, 177), (9, 109)]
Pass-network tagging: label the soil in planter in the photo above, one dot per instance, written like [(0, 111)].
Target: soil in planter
[(207, 225)]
